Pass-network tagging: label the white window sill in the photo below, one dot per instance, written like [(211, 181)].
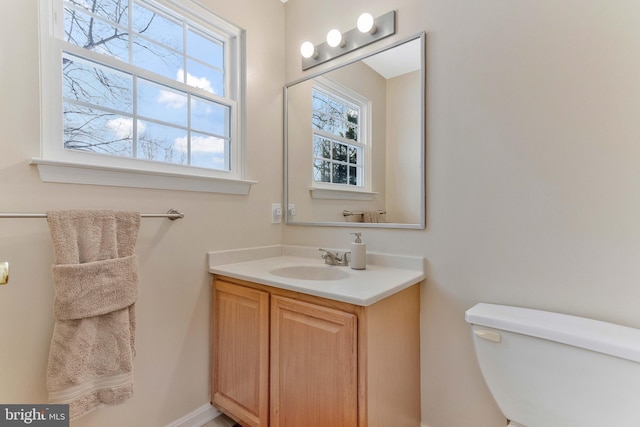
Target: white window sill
[(76, 173), (331, 194)]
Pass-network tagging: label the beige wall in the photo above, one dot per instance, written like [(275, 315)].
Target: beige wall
[(172, 368), (403, 158), (532, 187), (533, 170)]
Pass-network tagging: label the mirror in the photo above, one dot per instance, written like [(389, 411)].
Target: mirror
[(355, 141)]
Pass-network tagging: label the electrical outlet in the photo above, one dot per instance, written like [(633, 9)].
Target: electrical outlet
[(291, 210), (276, 213)]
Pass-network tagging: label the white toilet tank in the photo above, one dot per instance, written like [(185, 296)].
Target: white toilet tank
[(553, 370)]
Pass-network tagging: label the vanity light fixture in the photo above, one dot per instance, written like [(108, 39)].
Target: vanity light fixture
[(308, 50), (335, 39), (366, 24), (368, 31)]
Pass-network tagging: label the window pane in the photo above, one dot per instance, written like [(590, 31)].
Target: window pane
[(339, 152), (324, 112), (157, 59), (205, 78), (335, 116), (321, 147), (209, 152), (92, 83), (161, 143), (97, 131), (318, 120), (162, 103), (321, 171), (157, 27), (337, 108), (207, 116), (329, 123), (116, 11), (328, 105), (354, 155), (352, 125), (340, 174), (343, 129), (85, 31), (205, 49), (353, 175)]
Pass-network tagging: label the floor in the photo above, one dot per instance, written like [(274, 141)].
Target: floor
[(221, 421)]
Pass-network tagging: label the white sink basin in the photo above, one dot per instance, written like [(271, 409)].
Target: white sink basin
[(299, 269), (311, 272)]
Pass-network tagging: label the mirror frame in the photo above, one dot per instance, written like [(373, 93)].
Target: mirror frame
[(422, 173)]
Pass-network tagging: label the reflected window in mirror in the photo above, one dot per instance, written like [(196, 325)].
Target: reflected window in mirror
[(340, 141), (386, 138)]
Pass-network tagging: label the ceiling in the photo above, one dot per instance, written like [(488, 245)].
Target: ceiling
[(394, 62)]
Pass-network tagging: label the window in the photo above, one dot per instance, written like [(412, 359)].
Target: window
[(141, 85), (340, 146)]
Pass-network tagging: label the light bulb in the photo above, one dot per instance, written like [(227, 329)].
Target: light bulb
[(334, 38), (308, 50), (365, 23)]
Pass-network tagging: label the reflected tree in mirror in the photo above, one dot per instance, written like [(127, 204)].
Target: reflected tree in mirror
[(336, 132)]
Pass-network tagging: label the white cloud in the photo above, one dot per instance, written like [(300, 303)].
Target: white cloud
[(199, 82), (122, 127), (201, 144), (217, 163), (209, 147), (172, 100), (176, 101)]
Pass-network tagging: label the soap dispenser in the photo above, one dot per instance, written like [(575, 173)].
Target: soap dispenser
[(358, 254)]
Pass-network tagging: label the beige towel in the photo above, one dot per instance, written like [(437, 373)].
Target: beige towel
[(371, 216), (95, 282)]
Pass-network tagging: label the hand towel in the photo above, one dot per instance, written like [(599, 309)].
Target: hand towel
[(95, 282), (371, 216)]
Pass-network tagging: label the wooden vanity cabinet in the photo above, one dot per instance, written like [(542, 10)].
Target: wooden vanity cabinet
[(240, 349), (286, 359)]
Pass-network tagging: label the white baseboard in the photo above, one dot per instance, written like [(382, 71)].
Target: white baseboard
[(197, 418), (203, 415)]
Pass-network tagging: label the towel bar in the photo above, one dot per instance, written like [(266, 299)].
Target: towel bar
[(349, 213), (172, 214)]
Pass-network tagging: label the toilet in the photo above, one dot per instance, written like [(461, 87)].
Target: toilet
[(554, 370)]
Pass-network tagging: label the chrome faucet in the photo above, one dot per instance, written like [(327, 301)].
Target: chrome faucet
[(334, 258)]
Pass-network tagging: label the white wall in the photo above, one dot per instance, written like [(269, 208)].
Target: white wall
[(171, 367), (533, 155)]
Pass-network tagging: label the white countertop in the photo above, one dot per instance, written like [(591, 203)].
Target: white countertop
[(385, 274)]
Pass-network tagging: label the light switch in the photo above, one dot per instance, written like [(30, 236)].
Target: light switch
[(4, 273), (276, 213)]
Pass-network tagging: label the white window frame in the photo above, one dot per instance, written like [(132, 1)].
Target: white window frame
[(324, 190), (58, 164)]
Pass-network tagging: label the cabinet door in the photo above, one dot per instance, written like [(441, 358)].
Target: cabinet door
[(314, 369), (240, 353)]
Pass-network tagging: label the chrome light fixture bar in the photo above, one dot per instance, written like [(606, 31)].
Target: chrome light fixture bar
[(382, 27)]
